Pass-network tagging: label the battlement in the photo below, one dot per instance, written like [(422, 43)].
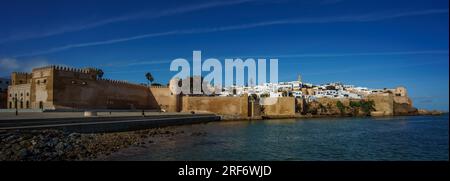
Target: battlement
[(20, 78), (158, 86), (88, 70), (119, 82), (21, 73)]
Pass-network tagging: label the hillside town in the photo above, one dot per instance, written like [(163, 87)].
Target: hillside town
[(308, 91)]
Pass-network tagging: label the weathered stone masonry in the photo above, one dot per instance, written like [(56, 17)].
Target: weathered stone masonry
[(54, 88)]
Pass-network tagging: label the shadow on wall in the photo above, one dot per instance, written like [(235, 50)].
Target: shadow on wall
[(161, 98)]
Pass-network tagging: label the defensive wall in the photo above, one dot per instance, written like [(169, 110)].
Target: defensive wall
[(231, 106), (278, 106)]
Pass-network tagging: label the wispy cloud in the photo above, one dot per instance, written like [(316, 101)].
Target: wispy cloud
[(131, 63), (128, 17), (135, 71), (135, 63), (8, 65), (324, 55), (335, 19), (326, 2)]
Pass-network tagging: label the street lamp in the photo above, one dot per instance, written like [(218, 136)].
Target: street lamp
[(15, 105)]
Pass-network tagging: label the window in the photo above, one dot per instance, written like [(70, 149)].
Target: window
[(28, 105), (44, 81), (21, 94), (41, 105), (28, 94), (10, 105), (38, 82), (21, 104), (10, 95)]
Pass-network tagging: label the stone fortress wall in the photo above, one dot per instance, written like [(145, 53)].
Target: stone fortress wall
[(162, 98), (231, 106), (63, 88), (284, 106), (55, 88)]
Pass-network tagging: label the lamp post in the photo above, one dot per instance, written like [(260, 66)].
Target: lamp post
[(15, 105)]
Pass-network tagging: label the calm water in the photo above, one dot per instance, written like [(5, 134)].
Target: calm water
[(399, 138)]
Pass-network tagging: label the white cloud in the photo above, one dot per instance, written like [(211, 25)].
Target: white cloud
[(8, 65), (324, 55)]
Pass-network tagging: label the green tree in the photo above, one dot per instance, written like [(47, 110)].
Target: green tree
[(355, 104), (341, 107), (365, 106), (368, 106), (100, 73)]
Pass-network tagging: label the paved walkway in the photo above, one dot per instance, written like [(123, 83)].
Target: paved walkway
[(49, 115), (123, 121)]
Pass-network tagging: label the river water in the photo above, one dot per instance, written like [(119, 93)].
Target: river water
[(393, 138)]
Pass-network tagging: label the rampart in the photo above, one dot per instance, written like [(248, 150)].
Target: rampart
[(231, 106), (282, 107), (162, 98)]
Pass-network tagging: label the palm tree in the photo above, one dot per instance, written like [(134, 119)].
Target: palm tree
[(100, 73), (149, 77)]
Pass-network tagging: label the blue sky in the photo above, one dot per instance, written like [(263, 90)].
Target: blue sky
[(371, 43)]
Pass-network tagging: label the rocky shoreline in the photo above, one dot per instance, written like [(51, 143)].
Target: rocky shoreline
[(420, 112), (56, 145)]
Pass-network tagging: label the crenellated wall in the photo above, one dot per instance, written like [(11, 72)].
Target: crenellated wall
[(80, 89), (18, 78), (58, 87)]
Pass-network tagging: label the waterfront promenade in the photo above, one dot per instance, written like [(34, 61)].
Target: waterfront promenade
[(103, 122)]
